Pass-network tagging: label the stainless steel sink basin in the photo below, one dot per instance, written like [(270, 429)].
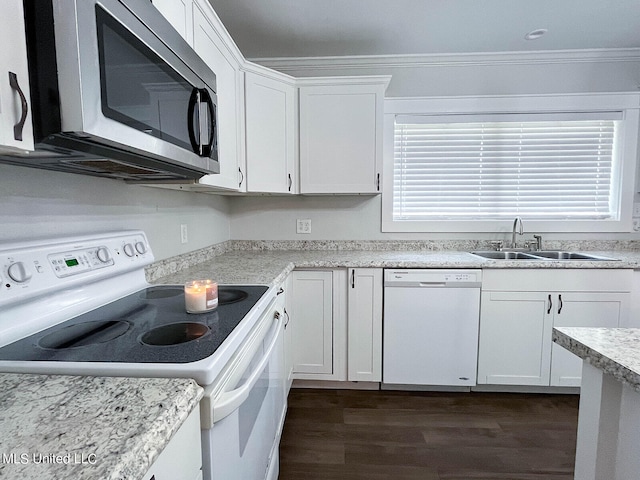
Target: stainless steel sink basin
[(505, 255), (540, 255), (560, 255)]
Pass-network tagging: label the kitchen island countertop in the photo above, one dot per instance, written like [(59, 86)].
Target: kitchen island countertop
[(72, 427), (609, 413), (615, 351)]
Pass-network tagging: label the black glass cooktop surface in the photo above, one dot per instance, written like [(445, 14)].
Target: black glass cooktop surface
[(148, 326)]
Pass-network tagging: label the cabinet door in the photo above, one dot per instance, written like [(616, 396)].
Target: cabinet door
[(341, 138), (577, 309), (16, 130), (210, 44), (515, 338), (312, 322), (364, 334), (288, 337), (270, 134), (181, 459), (179, 13)]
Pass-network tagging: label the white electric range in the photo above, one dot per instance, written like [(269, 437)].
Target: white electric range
[(82, 306)]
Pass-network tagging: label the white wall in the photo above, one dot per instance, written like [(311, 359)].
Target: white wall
[(38, 203), (349, 218)]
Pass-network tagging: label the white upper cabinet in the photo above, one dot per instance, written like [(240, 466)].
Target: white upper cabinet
[(341, 134), (179, 13), (271, 131), (215, 47), (16, 129), (197, 22), (278, 134)]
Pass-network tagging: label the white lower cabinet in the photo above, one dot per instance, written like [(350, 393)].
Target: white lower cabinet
[(513, 347), (364, 325), (577, 309), (181, 459), (312, 324), (336, 324), (285, 298), (519, 309)]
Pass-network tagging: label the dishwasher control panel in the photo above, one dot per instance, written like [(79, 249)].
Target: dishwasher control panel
[(449, 278)]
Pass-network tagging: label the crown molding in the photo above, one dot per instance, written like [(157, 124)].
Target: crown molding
[(285, 64)]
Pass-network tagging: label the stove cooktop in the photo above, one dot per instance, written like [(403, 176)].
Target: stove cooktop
[(148, 326)]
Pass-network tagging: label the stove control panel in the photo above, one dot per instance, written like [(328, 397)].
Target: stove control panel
[(78, 261), (30, 269)]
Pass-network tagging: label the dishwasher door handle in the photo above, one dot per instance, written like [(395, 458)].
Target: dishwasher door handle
[(433, 284)]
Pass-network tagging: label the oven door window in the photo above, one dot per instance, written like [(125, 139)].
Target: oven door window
[(141, 90)]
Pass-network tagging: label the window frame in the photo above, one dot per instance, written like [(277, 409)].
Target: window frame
[(628, 104)]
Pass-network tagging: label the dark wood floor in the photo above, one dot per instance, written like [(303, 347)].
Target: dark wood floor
[(348, 434)]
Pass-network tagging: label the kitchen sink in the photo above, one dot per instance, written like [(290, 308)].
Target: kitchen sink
[(560, 255), (540, 255), (505, 255)]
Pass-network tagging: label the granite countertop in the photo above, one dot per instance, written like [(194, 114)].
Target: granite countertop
[(615, 351), (70, 427), (270, 267)]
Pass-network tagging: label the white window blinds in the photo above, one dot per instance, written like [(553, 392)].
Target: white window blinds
[(542, 169)]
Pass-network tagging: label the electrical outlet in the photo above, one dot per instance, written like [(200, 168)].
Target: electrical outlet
[(184, 234), (303, 225), (636, 225), (636, 209)]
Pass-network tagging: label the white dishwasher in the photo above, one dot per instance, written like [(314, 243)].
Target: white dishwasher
[(431, 320)]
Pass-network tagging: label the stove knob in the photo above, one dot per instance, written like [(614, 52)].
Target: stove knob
[(19, 273), (128, 250), (103, 254), (141, 248)]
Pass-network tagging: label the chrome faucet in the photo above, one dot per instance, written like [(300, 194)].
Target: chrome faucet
[(517, 221)]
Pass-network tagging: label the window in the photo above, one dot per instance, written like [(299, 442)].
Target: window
[(489, 169), (453, 172)]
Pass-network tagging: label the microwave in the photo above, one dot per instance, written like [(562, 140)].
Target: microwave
[(117, 92)]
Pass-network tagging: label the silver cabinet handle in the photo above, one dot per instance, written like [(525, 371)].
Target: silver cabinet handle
[(550, 305), (241, 177), (353, 278)]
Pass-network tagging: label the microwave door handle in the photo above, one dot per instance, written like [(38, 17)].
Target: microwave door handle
[(194, 100), (208, 147)]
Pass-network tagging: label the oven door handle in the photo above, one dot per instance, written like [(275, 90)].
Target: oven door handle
[(226, 403)]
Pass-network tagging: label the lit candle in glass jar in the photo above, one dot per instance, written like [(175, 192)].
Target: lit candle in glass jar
[(200, 296)]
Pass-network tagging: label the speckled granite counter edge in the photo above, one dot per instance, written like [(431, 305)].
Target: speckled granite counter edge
[(164, 428), (122, 423), (620, 372), (169, 266)]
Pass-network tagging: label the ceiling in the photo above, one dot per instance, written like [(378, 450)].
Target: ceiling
[(321, 28)]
